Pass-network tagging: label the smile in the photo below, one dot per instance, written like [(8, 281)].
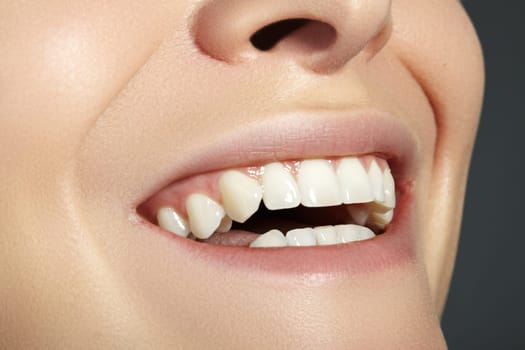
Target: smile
[(358, 193), (333, 206)]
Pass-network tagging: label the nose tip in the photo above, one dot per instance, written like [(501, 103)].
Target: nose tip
[(321, 36)]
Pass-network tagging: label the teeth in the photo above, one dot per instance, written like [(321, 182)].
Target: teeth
[(321, 235), (354, 181), (301, 237), (171, 221), (225, 225), (205, 215), (272, 238), (352, 233), (318, 184), (382, 219), (315, 184), (325, 235), (241, 195), (390, 189), (376, 179), (280, 188)]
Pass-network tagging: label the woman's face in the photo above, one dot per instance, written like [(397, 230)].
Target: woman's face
[(111, 111)]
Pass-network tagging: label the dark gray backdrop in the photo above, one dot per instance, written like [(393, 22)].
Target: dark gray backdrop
[(486, 305)]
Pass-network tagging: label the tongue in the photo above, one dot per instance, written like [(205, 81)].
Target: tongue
[(239, 238)]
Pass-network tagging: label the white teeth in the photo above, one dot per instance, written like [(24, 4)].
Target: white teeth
[(382, 219), (352, 233), (272, 238), (205, 215), (390, 189), (225, 225), (280, 188), (241, 195), (318, 184), (171, 221), (354, 181), (376, 179), (301, 237), (305, 237), (371, 194), (325, 235)]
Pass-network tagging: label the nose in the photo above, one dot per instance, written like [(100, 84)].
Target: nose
[(320, 35)]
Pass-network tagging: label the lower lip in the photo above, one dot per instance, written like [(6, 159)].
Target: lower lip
[(393, 248)]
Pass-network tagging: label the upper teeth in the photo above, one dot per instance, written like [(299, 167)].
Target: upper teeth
[(312, 183)]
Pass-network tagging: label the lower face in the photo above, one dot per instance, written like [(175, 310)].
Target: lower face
[(161, 190)]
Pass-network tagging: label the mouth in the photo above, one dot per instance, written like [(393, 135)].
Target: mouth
[(327, 211), (313, 201)]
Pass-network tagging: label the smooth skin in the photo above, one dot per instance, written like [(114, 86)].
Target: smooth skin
[(98, 100)]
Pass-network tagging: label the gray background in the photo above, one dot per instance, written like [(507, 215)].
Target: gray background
[(486, 305)]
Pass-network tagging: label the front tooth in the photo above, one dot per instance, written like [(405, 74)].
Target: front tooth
[(301, 237), (325, 235), (241, 195), (280, 188), (318, 184), (205, 215), (354, 181), (352, 233), (390, 189), (376, 179), (272, 238), (171, 221), (347, 233)]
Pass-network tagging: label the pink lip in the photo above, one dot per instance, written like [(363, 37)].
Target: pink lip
[(307, 135)]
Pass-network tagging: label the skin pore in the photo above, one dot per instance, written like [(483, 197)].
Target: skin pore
[(104, 104)]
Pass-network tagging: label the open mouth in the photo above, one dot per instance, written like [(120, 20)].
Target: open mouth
[(310, 202), (314, 193)]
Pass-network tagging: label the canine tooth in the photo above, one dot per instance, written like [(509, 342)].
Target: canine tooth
[(225, 225), (376, 179), (359, 213), (301, 237), (318, 183), (390, 189), (205, 215), (325, 235), (352, 233), (171, 221), (272, 238), (354, 181), (241, 195), (280, 188)]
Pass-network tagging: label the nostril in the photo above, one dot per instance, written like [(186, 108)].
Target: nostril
[(301, 33), (266, 38)]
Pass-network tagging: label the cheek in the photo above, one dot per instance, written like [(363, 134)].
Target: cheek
[(63, 63), (437, 42)]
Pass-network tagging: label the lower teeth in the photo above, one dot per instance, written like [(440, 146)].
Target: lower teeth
[(261, 232), (320, 235)]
